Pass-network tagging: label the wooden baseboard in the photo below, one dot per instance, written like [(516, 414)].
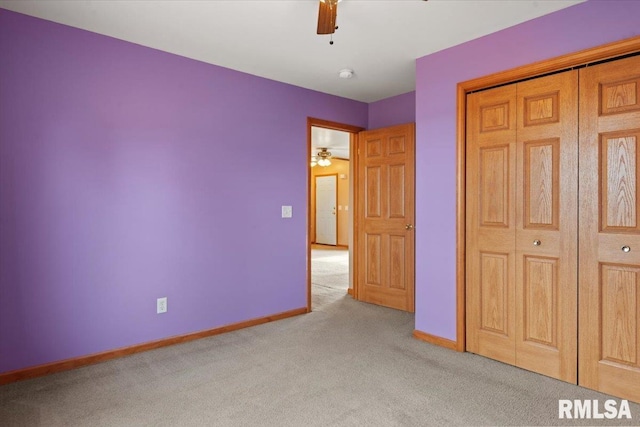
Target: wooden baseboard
[(68, 364), (432, 339), (350, 291)]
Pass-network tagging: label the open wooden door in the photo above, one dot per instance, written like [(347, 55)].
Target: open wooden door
[(609, 357), (385, 216)]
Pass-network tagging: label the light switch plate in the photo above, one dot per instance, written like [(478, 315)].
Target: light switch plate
[(287, 212), (161, 305)]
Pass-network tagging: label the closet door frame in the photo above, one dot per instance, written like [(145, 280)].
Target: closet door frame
[(600, 53)]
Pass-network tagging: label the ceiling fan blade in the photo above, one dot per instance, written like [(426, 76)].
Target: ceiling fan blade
[(327, 14)]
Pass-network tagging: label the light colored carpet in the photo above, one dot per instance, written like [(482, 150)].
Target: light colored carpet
[(346, 364), (329, 275)]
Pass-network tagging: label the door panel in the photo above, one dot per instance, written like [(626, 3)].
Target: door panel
[(396, 198), (619, 153), (619, 314), (397, 279), (494, 292), (546, 225), (373, 188), (540, 175), (490, 228), (494, 185), (374, 261), (540, 314), (385, 208), (609, 235)]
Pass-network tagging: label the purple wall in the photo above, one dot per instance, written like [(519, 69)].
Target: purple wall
[(391, 111), (128, 174), (578, 27)]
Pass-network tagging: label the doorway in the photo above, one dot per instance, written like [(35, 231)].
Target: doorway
[(330, 254), (329, 275)]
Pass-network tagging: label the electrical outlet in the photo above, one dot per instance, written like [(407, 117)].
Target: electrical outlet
[(161, 305)]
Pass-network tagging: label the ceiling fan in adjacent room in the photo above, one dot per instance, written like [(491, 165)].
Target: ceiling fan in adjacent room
[(323, 158)]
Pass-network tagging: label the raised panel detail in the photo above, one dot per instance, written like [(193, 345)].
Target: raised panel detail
[(540, 303), (541, 109), (541, 180), (494, 186), (373, 178), (494, 290), (397, 257), (397, 145), (374, 148), (619, 97), (494, 117), (619, 182), (396, 191), (373, 261), (619, 305)]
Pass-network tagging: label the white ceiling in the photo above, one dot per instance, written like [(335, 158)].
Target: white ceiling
[(337, 142), (378, 39)]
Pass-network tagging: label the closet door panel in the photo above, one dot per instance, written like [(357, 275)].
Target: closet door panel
[(609, 285), (491, 223), (546, 225)]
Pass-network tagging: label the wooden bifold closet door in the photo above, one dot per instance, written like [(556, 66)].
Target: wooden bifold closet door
[(609, 292), (522, 166), (553, 226)]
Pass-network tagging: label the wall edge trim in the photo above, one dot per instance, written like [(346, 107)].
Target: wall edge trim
[(435, 340), (582, 57)]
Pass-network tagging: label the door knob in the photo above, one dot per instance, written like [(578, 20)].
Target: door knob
[(626, 248), (537, 242), (408, 227)]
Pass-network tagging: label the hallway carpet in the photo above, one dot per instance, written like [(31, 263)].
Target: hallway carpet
[(329, 274)]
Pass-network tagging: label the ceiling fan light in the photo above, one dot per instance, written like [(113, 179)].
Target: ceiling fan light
[(323, 157), (323, 153)]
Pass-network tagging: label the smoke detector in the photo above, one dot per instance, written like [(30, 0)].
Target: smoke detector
[(346, 73)]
